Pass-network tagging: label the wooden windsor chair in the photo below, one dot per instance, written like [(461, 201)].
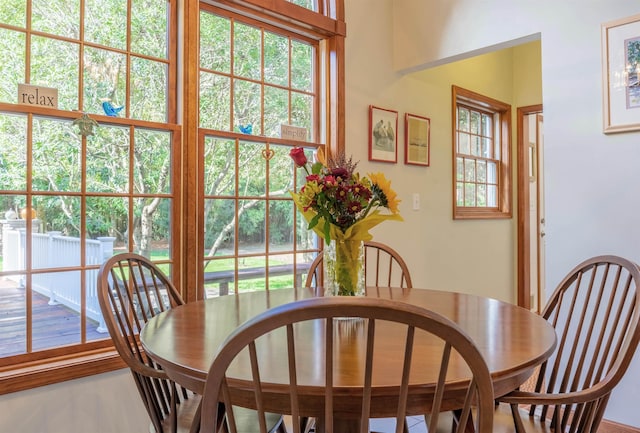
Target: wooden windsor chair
[(384, 267), (131, 290), (596, 313), (301, 321)]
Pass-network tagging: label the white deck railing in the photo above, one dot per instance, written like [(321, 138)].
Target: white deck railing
[(52, 250)]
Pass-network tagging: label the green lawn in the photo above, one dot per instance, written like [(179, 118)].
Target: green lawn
[(245, 285), (255, 284)]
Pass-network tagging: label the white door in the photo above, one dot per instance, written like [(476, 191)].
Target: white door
[(542, 295), (533, 126)]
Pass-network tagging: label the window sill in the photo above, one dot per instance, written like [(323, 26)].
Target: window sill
[(479, 213), (59, 369)]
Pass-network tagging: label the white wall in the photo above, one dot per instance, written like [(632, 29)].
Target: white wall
[(591, 179), (105, 403)]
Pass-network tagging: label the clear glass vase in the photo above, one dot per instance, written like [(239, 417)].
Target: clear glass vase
[(344, 268)]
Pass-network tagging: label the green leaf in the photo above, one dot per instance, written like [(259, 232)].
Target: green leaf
[(314, 221), (327, 231), (316, 168)]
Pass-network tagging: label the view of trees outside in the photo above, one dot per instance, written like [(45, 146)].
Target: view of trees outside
[(92, 196), (57, 181), (252, 81), (58, 157), (118, 182)]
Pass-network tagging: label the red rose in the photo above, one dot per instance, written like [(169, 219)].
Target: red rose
[(313, 177), (298, 156)]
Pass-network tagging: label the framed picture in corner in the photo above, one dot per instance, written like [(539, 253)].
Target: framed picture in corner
[(621, 74), (417, 148), (383, 134)]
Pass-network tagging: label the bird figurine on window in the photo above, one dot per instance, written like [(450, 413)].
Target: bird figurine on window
[(246, 129), (109, 108), (85, 124)]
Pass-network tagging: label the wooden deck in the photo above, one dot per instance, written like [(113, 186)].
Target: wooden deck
[(53, 325), (58, 325)]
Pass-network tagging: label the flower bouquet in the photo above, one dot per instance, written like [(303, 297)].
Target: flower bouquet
[(341, 207)]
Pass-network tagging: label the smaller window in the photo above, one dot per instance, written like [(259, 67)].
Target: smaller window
[(481, 156), (312, 5)]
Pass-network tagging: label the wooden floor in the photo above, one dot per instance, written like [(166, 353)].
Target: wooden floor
[(53, 325)]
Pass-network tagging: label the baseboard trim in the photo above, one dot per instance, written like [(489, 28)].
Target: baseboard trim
[(614, 427)]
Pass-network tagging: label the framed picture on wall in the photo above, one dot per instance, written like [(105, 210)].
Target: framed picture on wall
[(621, 74), (417, 147), (383, 134)]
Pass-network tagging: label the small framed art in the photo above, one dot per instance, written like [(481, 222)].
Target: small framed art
[(621, 74), (383, 134), (417, 130)]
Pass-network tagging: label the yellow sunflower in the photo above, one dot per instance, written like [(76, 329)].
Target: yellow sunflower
[(388, 196)]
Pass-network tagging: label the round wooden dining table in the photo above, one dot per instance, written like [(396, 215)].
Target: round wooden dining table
[(513, 341)]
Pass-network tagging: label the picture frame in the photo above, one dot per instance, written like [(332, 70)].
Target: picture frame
[(417, 146), (621, 74), (383, 134)]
